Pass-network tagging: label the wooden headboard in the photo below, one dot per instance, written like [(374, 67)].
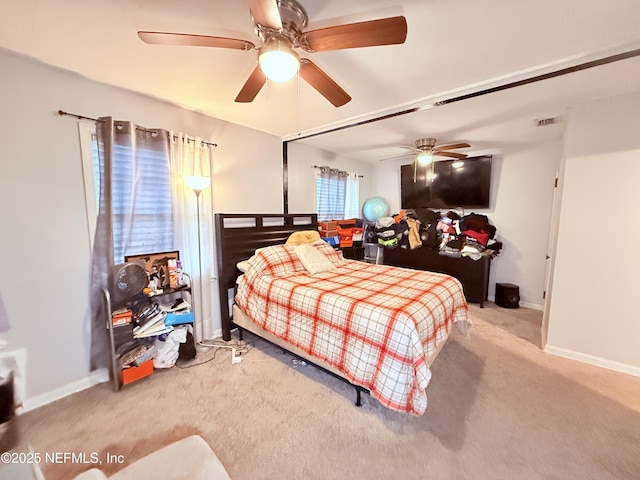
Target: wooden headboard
[(237, 238)]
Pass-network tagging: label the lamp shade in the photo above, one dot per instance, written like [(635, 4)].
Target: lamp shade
[(197, 183), (278, 61)]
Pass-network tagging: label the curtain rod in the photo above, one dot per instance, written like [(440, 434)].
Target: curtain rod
[(324, 166), (82, 117)]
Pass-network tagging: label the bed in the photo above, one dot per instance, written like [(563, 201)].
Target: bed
[(378, 327)]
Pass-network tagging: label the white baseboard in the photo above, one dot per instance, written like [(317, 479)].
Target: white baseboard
[(592, 360), (216, 334), (534, 306), (94, 378), (98, 376)]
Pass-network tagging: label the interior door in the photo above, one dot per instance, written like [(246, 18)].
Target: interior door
[(550, 258)]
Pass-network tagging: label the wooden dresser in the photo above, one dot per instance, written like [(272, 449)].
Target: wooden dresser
[(473, 274)]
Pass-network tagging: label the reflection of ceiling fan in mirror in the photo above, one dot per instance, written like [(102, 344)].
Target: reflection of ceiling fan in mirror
[(425, 151), (279, 25)]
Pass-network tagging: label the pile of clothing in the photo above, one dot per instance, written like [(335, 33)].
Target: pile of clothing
[(400, 229), (469, 236), (452, 235)]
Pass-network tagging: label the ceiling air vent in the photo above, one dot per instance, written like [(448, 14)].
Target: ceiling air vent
[(541, 122)]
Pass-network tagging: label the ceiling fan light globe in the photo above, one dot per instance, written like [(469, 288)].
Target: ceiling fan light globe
[(424, 159), (279, 65)]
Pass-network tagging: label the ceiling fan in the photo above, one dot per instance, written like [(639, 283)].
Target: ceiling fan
[(425, 150), (279, 24)]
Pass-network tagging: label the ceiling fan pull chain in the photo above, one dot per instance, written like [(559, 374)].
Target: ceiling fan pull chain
[(298, 102)]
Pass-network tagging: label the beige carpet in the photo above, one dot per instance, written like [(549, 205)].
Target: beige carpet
[(499, 408)]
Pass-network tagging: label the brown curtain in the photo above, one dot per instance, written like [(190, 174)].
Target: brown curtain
[(133, 142)]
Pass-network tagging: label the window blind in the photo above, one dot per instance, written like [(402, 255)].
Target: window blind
[(330, 194), (142, 202)]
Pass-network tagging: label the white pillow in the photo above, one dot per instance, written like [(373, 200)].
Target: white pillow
[(313, 259), (243, 265)]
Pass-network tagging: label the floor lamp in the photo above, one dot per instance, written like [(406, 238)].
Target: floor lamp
[(198, 184)]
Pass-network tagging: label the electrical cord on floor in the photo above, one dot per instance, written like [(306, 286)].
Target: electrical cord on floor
[(183, 364), (240, 347)]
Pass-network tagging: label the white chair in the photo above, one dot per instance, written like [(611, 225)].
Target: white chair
[(188, 459)]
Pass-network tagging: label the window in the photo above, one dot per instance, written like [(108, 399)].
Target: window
[(142, 218), (337, 194)]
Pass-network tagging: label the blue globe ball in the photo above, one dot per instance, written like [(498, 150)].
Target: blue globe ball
[(375, 208)]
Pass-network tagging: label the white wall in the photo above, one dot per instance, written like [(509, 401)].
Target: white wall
[(247, 171), (45, 244), (593, 312), (521, 201), (302, 186)]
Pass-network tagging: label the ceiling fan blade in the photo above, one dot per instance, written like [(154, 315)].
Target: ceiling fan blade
[(252, 86), (384, 31), (440, 153), (266, 13), (452, 146), (319, 80), (406, 155), (411, 148), (166, 38)]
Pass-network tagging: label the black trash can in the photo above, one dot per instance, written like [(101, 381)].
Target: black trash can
[(7, 401), (9, 431), (507, 295)]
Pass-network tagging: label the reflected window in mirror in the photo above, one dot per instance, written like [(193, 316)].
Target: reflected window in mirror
[(337, 194)]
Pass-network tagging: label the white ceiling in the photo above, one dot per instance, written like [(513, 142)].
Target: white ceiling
[(453, 47)]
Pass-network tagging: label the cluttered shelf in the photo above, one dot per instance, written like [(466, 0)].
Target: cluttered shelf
[(151, 323)]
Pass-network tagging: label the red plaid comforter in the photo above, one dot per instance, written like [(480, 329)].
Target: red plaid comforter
[(378, 325)]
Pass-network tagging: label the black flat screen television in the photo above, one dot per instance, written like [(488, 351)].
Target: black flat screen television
[(452, 186)]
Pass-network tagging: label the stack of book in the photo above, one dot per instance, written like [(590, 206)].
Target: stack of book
[(152, 327), (150, 322), (123, 316), (158, 319)]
